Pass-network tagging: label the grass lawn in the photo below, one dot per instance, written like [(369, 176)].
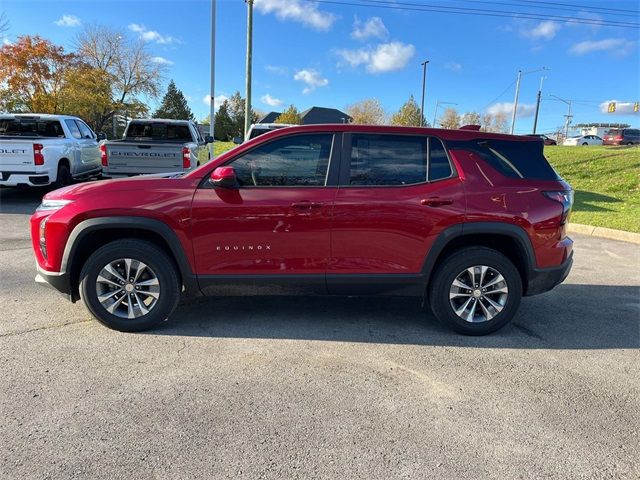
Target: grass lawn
[(218, 148), (606, 181)]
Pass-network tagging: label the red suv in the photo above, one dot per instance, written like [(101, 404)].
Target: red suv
[(469, 221)]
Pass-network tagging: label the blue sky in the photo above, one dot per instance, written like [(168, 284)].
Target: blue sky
[(316, 53)]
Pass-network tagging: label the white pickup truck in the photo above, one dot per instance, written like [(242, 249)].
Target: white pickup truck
[(153, 145), (42, 149)]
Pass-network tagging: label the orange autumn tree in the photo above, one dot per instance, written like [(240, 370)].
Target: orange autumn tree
[(32, 72)]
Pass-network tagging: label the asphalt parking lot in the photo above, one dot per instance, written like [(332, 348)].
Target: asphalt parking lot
[(321, 388)]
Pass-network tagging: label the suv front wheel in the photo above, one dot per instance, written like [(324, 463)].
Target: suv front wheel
[(130, 285), (475, 291)]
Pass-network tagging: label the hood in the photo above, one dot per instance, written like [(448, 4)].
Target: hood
[(132, 183)]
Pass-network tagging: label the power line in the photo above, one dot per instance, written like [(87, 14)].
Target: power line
[(574, 8), (499, 96), (579, 7), (473, 11)]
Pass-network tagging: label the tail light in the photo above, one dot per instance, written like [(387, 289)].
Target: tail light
[(564, 198), (103, 155), (38, 157), (186, 157), (619, 137)]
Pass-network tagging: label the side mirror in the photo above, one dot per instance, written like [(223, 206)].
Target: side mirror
[(224, 177), (101, 136), (208, 139), (237, 140)]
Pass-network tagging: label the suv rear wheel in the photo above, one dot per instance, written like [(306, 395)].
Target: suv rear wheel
[(475, 291), (130, 285)]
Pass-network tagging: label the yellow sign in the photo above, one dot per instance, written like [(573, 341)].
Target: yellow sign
[(612, 107)]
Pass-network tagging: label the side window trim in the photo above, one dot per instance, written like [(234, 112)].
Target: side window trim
[(69, 122), (331, 178)]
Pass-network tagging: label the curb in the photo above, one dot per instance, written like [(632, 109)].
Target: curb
[(603, 232)]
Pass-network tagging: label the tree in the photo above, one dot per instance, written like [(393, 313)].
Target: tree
[(471, 118), (497, 123), (31, 75), (127, 65), (223, 127), (290, 115), (450, 119), (409, 115), (236, 112), (86, 93), (174, 105), (367, 112)]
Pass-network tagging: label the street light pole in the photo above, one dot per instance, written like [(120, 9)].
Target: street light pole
[(435, 114), (247, 105), (515, 102), (424, 81), (213, 76), (567, 117)]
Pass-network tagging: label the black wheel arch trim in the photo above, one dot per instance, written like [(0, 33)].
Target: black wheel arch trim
[(474, 228), (91, 225)]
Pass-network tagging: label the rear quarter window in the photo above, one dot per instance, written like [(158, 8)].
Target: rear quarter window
[(513, 159)]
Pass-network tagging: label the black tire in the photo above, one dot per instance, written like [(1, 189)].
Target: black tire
[(447, 271), (156, 259), (585, 144), (629, 143), (64, 177)]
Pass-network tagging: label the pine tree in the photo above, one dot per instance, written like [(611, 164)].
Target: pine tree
[(290, 116), (409, 115), (223, 127), (174, 105)]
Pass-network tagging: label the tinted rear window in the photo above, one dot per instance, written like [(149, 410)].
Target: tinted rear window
[(28, 127), (160, 131), (512, 159)]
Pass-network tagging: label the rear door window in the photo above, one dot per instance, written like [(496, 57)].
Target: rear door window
[(439, 165), (73, 128), (84, 130), (514, 159)]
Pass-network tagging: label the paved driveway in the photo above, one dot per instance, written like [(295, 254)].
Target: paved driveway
[(321, 388)]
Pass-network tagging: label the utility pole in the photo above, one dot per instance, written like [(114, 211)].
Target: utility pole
[(212, 92), (247, 105), (515, 102), (567, 117), (535, 118), (424, 81)]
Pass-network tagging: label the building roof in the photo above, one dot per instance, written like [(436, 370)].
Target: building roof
[(315, 115), (269, 117)]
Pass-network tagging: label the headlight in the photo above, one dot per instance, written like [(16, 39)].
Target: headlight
[(53, 204), (42, 236)]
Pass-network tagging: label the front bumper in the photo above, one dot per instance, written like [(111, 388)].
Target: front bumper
[(544, 279), (59, 281)]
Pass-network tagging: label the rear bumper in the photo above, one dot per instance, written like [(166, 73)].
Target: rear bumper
[(26, 179), (544, 279), (56, 280)]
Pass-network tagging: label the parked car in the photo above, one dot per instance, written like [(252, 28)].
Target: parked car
[(153, 145), (469, 221), (544, 138), (258, 129), (40, 149), (622, 136), (583, 140)]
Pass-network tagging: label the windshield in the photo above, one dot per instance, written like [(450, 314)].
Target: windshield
[(30, 127)]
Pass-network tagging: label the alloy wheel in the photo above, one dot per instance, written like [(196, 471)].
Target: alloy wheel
[(478, 294), (127, 288)]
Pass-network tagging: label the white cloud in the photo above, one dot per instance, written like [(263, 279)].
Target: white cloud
[(162, 61), (271, 101), (278, 70), (152, 35), (68, 21), (6, 41), (299, 11), (311, 78), (218, 100), (372, 28), (386, 57), (622, 108), (545, 30), (453, 66), (524, 109), (617, 46)]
